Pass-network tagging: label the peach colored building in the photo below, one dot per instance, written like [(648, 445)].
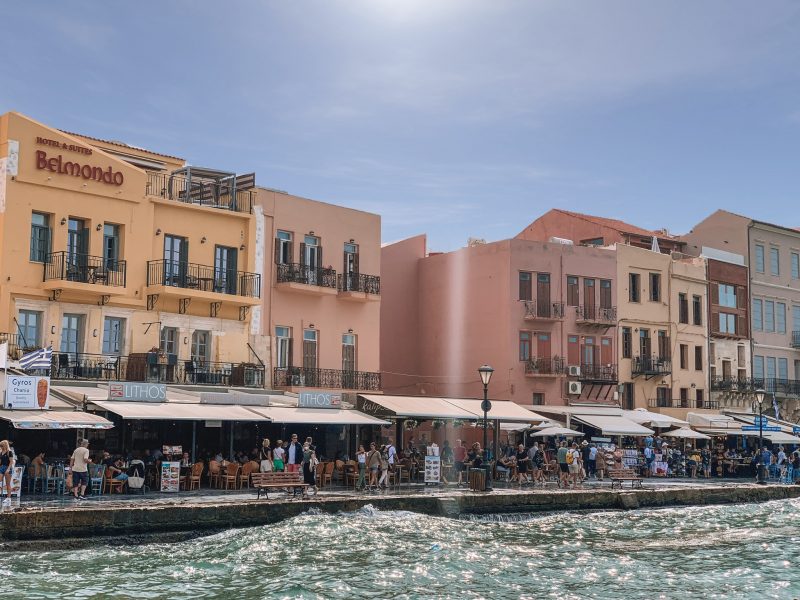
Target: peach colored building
[(542, 314)]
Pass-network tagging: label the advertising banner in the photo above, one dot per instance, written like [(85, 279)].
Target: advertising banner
[(170, 476), (137, 392), (27, 392), (316, 399), (433, 469)]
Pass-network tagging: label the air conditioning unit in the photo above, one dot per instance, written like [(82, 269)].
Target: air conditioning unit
[(616, 395), (574, 388), (574, 371)]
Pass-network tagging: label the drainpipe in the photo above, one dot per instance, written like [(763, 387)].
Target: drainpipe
[(750, 304)]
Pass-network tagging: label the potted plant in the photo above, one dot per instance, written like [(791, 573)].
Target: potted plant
[(411, 423), (458, 423), (437, 423)]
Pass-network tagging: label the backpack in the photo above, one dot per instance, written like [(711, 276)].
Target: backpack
[(570, 458)]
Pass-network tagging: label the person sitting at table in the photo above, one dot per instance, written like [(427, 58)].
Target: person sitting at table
[(114, 469), (37, 465), (505, 467), (693, 462), (728, 457)]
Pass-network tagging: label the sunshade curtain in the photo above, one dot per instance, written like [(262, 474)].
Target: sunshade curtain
[(180, 411)]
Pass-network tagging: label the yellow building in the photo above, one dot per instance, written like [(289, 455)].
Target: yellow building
[(130, 264)]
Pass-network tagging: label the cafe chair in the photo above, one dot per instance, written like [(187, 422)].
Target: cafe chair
[(193, 478), (112, 484), (231, 476), (96, 478), (55, 480), (213, 474), (325, 474), (244, 474)]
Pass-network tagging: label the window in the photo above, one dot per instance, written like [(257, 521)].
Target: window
[(759, 258), (769, 316), (758, 315), (40, 237), (176, 260), (628, 396), (111, 246), (634, 289), (698, 358), (727, 323), (795, 265), (169, 340), (783, 369), (700, 395), (72, 333), (605, 293), (283, 248), (663, 396), (655, 287), (644, 343), (758, 367), (348, 352), (727, 295), (225, 266), (683, 309), (201, 346), (537, 399), (310, 349), (113, 335), (351, 278), (771, 367), (593, 242), (774, 261), (573, 298), (525, 286), (30, 329), (283, 347), (795, 317), (697, 310), (664, 351), (780, 317), (626, 342), (524, 346), (740, 354), (684, 356)]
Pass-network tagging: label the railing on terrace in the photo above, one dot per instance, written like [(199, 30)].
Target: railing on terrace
[(796, 339), (83, 268), (203, 278), (356, 282), (650, 366), (598, 373), (297, 273), (682, 403), (596, 314), (199, 192), (545, 366), (326, 378), (790, 387), (16, 346), (543, 309), (154, 368)]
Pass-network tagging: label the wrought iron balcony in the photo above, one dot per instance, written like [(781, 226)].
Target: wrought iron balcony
[(298, 273), (326, 378), (743, 385), (796, 339), (543, 310), (546, 367), (682, 403), (357, 282), (83, 268), (771, 385), (151, 367), (591, 314), (650, 366), (606, 374), (200, 192), (204, 278)]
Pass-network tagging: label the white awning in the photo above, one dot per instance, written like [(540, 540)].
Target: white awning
[(54, 419), (643, 416), (781, 437), (502, 410), (611, 425), (412, 406), (180, 411), (686, 433), (316, 416)]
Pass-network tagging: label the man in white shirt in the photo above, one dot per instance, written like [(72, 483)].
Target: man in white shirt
[(79, 465), (392, 451)]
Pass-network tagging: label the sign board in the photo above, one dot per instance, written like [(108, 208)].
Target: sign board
[(137, 392), (433, 469), (796, 429), (171, 450), (26, 392), (762, 419), (757, 428), (605, 440), (315, 399), (213, 423), (170, 476)]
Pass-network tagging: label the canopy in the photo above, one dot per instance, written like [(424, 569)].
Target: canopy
[(321, 416), (412, 406), (611, 425), (781, 437), (180, 411), (556, 431), (642, 416), (54, 419), (686, 433), (502, 410)]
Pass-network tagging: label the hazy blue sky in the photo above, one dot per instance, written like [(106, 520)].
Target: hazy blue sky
[(455, 118)]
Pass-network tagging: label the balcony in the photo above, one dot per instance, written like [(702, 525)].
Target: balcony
[(602, 374), (596, 316), (543, 310), (82, 272), (296, 277), (796, 339), (17, 346), (771, 385), (682, 403), (650, 366), (326, 378), (175, 278), (146, 367), (358, 287), (200, 191), (544, 367)]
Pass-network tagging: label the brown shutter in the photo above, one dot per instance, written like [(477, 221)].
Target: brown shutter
[(355, 263), (741, 325), (290, 258), (319, 257), (277, 251), (344, 263), (714, 321), (741, 296), (573, 350), (303, 253), (290, 360), (715, 293)]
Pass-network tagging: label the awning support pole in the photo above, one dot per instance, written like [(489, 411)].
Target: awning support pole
[(194, 438), (230, 454), (494, 441)]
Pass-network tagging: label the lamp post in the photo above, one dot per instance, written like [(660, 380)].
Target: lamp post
[(760, 393), (485, 371)]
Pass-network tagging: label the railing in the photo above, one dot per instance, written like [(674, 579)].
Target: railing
[(16, 346), (356, 282), (545, 366), (651, 366), (723, 384), (297, 273), (796, 339), (770, 385), (83, 268), (598, 373), (199, 192), (146, 367), (596, 314), (682, 403), (544, 310), (326, 378), (203, 278)]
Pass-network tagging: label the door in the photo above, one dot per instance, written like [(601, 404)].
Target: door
[(544, 361), (349, 361), (351, 280), (312, 259), (72, 333), (176, 264), (543, 306), (663, 345), (77, 249), (573, 350), (644, 343), (588, 299), (201, 347), (225, 266), (111, 246), (726, 370), (310, 357), (169, 340), (605, 293), (588, 356)]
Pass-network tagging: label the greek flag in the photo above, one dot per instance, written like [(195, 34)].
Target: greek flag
[(38, 359)]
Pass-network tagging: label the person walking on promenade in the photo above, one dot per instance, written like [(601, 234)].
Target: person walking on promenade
[(361, 460), (705, 459), (459, 458), (294, 454), (649, 458), (523, 460), (309, 466), (7, 463), (265, 454), (79, 467), (591, 464), (563, 467), (574, 464), (384, 458), (600, 464), (585, 453), (537, 462), (279, 457), (373, 464)]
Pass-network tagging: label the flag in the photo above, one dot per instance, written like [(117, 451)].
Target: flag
[(775, 407), (3, 355), (654, 246), (38, 359)]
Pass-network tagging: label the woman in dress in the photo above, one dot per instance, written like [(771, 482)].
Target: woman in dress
[(279, 457), (265, 454), (600, 464)]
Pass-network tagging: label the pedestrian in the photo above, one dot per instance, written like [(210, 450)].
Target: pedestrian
[(294, 455), (537, 459), (574, 463), (459, 457), (309, 466), (705, 461), (265, 455), (7, 463), (591, 463), (361, 459), (649, 458), (563, 466), (279, 457), (79, 467), (522, 464), (600, 464), (373, 464), (384, 458)]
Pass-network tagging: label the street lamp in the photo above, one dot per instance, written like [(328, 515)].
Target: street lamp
[(760, 393), (485, 371)]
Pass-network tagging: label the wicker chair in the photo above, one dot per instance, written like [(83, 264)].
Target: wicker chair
[(244, 474), (231, 475), (214, 474)]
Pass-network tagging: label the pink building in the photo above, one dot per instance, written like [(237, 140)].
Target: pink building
[(542, 314)]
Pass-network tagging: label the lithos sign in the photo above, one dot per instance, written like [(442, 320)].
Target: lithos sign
[(57, 163)]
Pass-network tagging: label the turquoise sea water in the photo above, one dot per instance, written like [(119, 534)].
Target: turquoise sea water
[(745, 551)]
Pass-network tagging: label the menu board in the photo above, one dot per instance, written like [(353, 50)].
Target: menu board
[(433, 469), (170, 476)]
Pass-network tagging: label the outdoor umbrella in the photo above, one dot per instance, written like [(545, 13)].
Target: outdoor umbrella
[(688, 434), (556, 431)]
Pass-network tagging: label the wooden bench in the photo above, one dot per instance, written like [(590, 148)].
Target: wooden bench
[(277, 479), (617, 476)]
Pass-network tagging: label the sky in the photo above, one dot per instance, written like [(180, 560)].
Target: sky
[(455, 118)]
